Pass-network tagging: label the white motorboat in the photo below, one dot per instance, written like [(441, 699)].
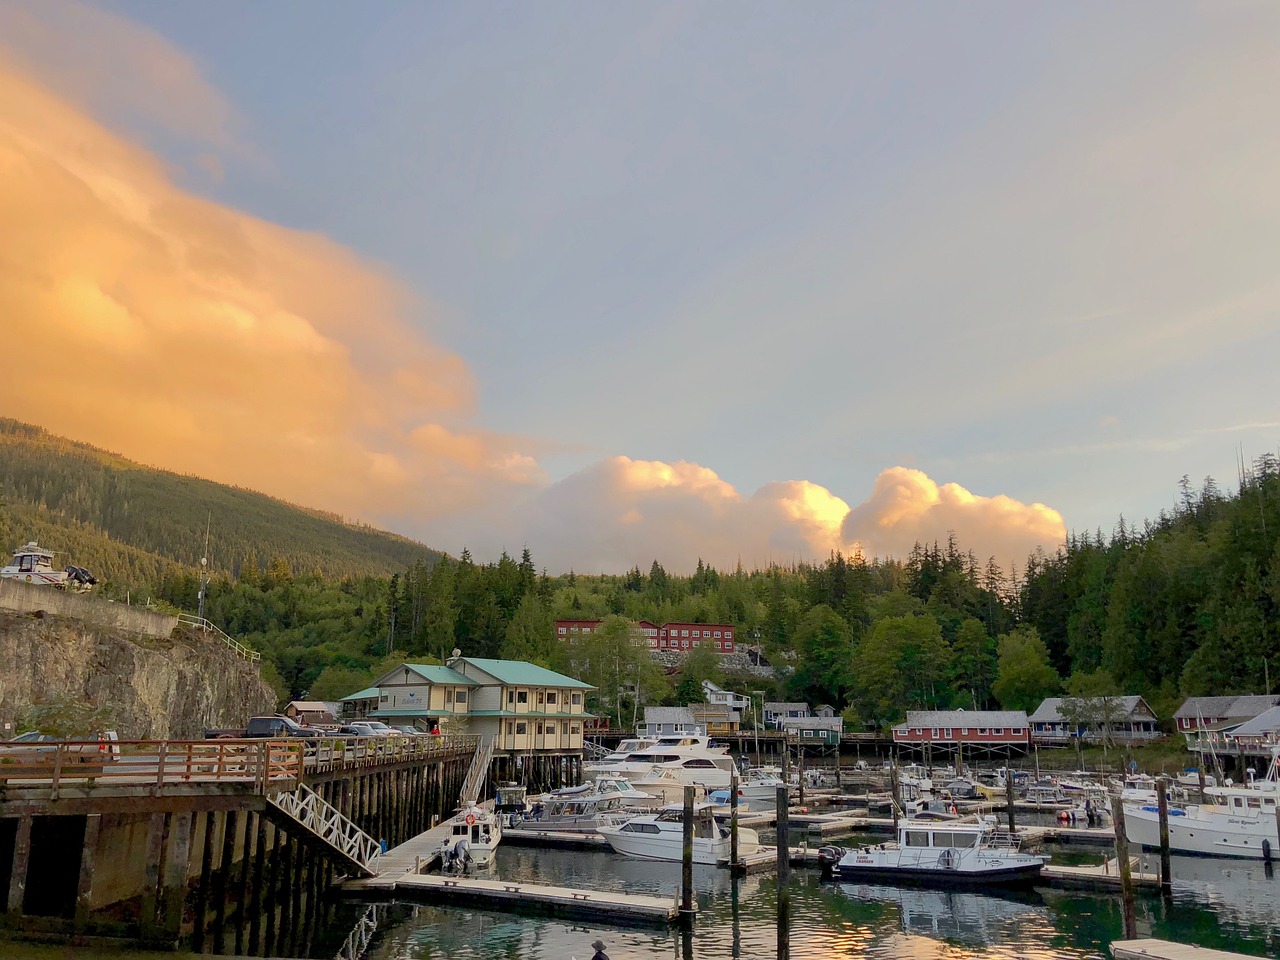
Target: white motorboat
[(1240, 822), (690, 759), (660, 836), (973, 852), (760, 787), (620, 755), (577, 809), (33, 564), (474, 835)]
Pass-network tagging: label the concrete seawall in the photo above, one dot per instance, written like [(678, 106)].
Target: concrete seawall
[(20, 597)]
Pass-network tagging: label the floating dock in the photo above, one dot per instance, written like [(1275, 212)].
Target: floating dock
[(1104, 876), (1165, 950)]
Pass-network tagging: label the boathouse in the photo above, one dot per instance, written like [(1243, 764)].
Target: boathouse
[(983, 728), (1127, 719)]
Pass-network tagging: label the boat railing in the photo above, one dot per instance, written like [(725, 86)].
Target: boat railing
[(1003, 839)]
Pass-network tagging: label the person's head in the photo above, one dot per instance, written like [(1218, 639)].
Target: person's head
[(598, 945)]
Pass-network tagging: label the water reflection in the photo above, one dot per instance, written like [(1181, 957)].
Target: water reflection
[(1231, 906)]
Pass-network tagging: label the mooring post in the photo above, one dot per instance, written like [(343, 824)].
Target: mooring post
[(1122, 863), (733, 821), (21, 861), (1010, 794), (800, 774), (1162, 807), (784, 835), (1200, 777), (895, 793), (686, 857)]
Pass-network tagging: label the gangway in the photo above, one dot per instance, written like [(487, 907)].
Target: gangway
[(356, 850), (478, 773)]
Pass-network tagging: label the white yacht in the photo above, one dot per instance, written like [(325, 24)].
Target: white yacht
[(1239, 821), (952, 853), (577, 809), (690, 759), (474, 835), (625, 748), (660, 836)]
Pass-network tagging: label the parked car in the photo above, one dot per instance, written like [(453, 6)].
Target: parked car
[(411, 731), (261, 728), (373, 728), (36, 745)]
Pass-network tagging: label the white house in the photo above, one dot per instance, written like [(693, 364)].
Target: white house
[(775, 712), (728, 698)]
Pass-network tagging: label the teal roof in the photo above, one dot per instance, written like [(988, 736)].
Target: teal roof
[(519, 673), (368, 693), (432, 673)]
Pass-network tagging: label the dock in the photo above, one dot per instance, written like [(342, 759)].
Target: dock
[(1104, 876), (1166, 950), (401, 871)]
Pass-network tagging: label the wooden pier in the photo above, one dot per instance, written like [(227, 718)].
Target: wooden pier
[(1104, 876)]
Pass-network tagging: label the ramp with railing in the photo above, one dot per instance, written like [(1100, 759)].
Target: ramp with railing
[(352, 847), (478, 772), (231, 643)]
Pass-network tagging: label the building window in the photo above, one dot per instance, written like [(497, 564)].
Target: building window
[(717, 633), (576, 728), (997, 731), (577, 699), (448, 695), (551, 697), (935, 733), (460, 697), (551, 729), (510, 726), (538, 731), (946, 732), (684, 633), (521, 729), (982, 731), (1016, 731), (564, 630), (964, 731), (522, 696), (511, 697), (696, 642)]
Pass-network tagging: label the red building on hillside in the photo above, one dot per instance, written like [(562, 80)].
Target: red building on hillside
[(977, 727), (680, 637)]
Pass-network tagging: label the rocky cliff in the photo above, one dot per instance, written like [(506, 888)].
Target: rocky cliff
[(170, 688)]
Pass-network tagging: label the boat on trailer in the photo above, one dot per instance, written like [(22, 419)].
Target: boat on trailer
[(33, 564), (974, 852)]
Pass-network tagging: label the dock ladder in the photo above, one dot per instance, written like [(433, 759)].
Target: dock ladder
[(478, 773), (355, 849)]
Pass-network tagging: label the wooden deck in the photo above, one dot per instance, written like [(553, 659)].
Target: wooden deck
[(539, 898), (1103, 876), (1165, 950)]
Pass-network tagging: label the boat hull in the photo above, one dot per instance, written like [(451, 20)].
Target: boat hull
[(1214, 835), (1021, 876), (650, 847)]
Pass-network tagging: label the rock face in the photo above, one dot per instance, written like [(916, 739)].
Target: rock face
[(171, 688)]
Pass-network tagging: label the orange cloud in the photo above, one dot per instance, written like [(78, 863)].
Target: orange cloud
[(907, 507), (193, 336)]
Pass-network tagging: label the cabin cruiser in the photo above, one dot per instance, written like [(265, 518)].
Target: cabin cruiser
[(33, 564), (1240, 822), (473, 838), (973, 852), (690, 759), (660, 836), (625, 749), (578, 808)]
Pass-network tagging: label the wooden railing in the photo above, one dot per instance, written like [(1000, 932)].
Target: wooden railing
[(156, 764), (261, 765)]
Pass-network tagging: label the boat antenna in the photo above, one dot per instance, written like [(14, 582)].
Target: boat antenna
[(204, 566)]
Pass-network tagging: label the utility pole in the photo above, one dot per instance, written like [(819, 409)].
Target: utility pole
[(204, 568)]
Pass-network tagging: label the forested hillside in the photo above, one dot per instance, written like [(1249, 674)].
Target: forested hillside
[(135, 525), (1184, 604)]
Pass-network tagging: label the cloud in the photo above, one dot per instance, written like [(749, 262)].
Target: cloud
[(623, 512), (907, 507), (193, 336)]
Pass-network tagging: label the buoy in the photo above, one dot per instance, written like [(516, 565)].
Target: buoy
[(471, 818)]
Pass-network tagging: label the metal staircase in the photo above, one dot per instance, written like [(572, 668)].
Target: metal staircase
[(478, 773), (355, 849)]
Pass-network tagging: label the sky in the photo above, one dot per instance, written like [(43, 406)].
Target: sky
[(620, 282)]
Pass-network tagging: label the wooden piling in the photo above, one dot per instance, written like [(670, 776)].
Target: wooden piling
[(895, 793), (21, 861), (733, 822), (1010, 797), (202, 891), (84, 883), (686, 857), (1162, 808), (1200, 777), (1126, 875), (784, 835)]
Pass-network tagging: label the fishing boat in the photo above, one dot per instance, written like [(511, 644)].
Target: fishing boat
[(660, 836), (33, 564), (974, 852), (474, 835), (1240, 822)]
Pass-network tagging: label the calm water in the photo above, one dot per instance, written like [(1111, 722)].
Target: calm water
[(1234, 906)]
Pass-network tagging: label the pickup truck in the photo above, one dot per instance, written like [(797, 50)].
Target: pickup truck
[(259, 728)]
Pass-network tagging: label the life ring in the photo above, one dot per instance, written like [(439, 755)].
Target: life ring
[(471, 819), (28, 578)]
